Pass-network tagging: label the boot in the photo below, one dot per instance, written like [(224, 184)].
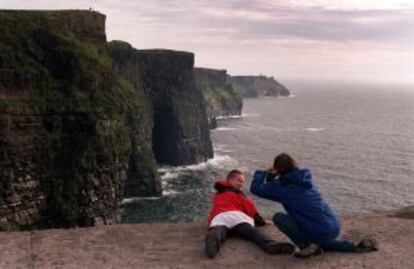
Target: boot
[(274, 247), (309, 251), (367, 245)]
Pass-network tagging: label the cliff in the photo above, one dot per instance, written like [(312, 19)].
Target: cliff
[(254, 86), (220, 97), (66, 122), (181, 132), (180, 245), (142, 177)]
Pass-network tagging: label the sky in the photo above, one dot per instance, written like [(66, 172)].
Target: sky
[(352, 40)]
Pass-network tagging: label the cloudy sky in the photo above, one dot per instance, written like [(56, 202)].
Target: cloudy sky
[(314, 39)]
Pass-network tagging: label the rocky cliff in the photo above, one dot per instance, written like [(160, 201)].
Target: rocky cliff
[(177, 125), (142, 177), (254, 86), (66, 121), (84, 122), (181, 133), (221, 99)]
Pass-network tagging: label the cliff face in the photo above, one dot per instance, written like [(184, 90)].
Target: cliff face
[(221, 99), (65, 138), (142, 176), (254, 86), (82, 121), (181, 132)]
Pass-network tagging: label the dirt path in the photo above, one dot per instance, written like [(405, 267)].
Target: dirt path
[(181, 246)]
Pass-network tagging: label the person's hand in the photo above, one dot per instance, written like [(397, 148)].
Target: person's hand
[(268, 222), (272, 170)]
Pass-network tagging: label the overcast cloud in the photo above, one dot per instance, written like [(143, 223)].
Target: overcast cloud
[(362, 40)]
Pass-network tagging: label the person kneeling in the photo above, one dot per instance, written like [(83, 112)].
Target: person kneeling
[(309, 222), (232, 212)]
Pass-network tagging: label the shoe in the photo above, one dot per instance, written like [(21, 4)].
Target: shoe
[(309, 251), (367, 245), (274, 247), (212, 243)]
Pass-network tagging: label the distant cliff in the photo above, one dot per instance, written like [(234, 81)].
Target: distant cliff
[(83, 123), (180, 133), (254, 86), (221, 99)]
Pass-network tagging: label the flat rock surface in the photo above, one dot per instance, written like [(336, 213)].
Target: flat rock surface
[(166, 245)]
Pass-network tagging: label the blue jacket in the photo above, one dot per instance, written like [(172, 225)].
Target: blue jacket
[(301, 200)]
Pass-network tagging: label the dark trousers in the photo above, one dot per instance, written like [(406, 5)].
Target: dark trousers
[(289, 227), (243, 230)]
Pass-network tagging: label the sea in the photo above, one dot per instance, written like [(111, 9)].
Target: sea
[(356, 138)]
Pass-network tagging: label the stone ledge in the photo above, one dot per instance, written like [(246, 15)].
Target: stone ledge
[(180, 245)]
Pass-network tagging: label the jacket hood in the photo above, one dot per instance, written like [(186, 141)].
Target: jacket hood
[(222, 185), (301, 177)]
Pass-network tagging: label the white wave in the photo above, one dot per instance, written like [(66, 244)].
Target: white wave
[(169, 175), (291, 95), (313, 129), (170, 192), (229, 117), (164, 183), (243, 115), (250, 114), (221, 148), (217, 161), (136, 199), (224, 129), (222, 161)]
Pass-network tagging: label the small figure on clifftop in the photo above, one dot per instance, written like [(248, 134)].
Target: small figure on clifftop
[(309, 222), (232, 212)]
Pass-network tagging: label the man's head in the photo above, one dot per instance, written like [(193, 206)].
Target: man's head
[(236, 179)]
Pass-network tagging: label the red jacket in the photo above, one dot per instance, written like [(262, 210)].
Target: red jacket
[(228, 198)]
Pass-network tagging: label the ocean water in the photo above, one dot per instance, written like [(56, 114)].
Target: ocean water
[(357, 139)]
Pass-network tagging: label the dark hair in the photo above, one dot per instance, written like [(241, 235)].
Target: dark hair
[(233, 173), (283, 163)]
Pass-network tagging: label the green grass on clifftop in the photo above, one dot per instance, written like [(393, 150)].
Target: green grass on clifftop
[(55, 61)]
